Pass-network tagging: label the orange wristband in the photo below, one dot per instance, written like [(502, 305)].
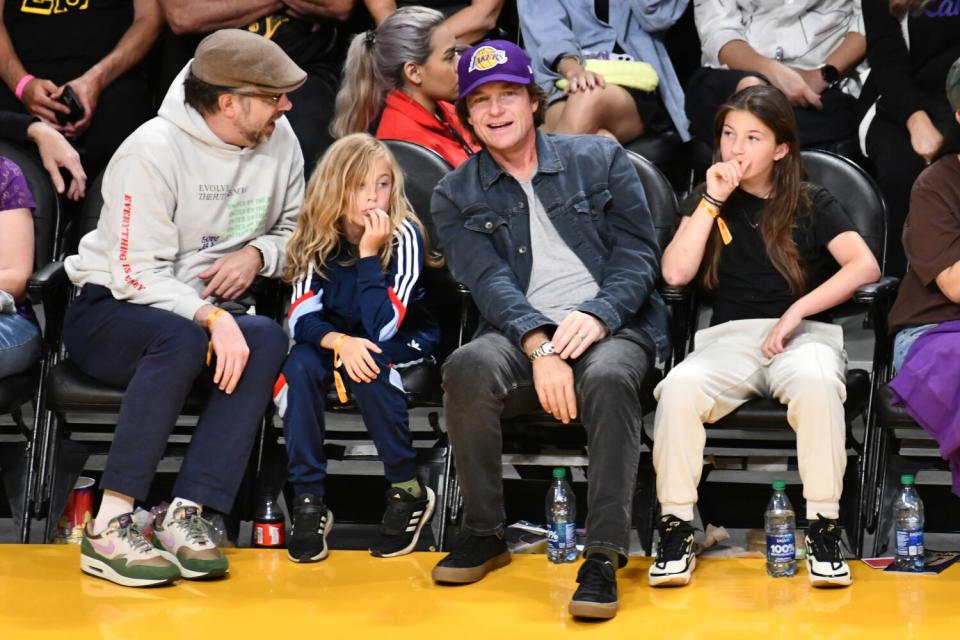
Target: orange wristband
[(209, 323), (337, 363), (721, 223)]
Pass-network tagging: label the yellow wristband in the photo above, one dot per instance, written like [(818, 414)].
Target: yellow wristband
[(721, 223), (337, 363), (212, 318)]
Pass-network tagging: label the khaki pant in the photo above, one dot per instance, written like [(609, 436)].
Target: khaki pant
[(725, 370)]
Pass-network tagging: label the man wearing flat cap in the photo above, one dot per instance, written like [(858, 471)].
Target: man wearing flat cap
[(197, 202)]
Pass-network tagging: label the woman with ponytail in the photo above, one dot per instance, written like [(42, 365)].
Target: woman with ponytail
[(399, 81), (776, 254)]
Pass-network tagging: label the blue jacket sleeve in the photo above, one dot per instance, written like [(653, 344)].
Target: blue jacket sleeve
[(633, 269), (655, 16), (547, 34), (307, 320), (473, 260), (384, 298)]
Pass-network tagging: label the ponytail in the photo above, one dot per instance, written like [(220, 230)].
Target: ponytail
[(374, 66), (361, 92)]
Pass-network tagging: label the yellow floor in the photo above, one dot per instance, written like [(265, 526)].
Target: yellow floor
[(352, 595)]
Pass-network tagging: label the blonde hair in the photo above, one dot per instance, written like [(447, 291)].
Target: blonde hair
[(330, 194), (374, 65)]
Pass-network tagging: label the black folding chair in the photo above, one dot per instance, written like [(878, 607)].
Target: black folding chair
[(17, 390), (759, 427)]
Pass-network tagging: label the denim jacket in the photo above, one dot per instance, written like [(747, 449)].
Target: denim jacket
[(592, 194)]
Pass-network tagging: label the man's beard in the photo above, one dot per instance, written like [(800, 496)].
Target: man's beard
[(257, 136)]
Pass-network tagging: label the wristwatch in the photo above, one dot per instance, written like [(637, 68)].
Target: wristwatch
[(545, 349), (830, 74)]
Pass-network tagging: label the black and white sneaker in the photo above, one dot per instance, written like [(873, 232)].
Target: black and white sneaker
[(825, 564), (312, 522), (403, 521), (596, 597), (675, 559)]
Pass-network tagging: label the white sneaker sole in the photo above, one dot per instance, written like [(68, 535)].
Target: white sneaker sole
[(100, 569), (828, 582), (427, 514), (674, 579), (326, 550)]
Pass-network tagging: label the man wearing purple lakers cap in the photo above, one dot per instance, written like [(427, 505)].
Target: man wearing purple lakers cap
[(553, 237)]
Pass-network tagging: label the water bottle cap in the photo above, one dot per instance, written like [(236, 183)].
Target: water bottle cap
[(779, 485), (906, 479), (559, 473)]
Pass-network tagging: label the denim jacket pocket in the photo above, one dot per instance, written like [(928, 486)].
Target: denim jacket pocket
[(485, 221), (594, 204)]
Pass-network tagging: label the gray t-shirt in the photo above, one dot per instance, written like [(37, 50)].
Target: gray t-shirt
[(559, 281)]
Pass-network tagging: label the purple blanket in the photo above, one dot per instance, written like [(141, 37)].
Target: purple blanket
[(928, 388)]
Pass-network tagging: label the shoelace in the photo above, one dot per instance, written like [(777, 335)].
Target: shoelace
[(131, 534), (195, 528), (825, 540), (673, 541), (595, 575)]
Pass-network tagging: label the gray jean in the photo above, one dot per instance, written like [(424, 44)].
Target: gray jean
[(490, 378)]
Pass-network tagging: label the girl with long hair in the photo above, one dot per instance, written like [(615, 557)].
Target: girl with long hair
[(399, 82), (776, 254), (355, 261)]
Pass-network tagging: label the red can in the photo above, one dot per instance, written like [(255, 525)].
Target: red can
[(77, 512)]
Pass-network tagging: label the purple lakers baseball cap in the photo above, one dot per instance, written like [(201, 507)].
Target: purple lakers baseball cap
[(953, 85), (492, 61)]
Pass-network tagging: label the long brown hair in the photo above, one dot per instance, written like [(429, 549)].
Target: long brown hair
[(787, 201), (901, 8), (329, 195)]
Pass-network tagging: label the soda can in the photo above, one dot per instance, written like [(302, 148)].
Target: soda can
[(69, 529)]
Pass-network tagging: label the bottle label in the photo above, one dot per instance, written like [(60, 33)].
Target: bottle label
[(781, 547), (562, 535), (268, 534), (910, 542)]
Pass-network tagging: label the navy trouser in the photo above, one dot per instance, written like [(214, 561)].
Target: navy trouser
[(308, 373), (158, 355)]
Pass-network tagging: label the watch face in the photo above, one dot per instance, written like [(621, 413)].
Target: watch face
[(547, 348), (829, 73)]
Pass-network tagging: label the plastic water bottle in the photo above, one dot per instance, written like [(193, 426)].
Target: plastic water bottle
[(561, 520), (908, 521), (781, 527)]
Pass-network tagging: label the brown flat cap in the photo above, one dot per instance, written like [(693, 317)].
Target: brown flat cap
[(235, 58)]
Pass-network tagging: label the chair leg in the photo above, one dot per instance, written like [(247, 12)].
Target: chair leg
[(446, 485), (47, 465), (29, 500)]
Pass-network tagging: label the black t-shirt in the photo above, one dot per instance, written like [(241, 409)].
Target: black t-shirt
[(749, 285), (61, 40)]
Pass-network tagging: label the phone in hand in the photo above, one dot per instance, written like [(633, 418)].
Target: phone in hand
[(70, 99)]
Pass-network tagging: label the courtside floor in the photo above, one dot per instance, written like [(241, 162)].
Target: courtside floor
[(352, 595)]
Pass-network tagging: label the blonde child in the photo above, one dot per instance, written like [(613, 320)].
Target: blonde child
[(355, 261)]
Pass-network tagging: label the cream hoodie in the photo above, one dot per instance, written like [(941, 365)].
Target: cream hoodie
[(176, 198)]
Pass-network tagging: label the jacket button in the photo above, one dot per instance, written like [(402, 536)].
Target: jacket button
[(488, 225), (522, 249)]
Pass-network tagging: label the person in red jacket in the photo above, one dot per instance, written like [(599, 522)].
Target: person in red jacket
[(399, 82)]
